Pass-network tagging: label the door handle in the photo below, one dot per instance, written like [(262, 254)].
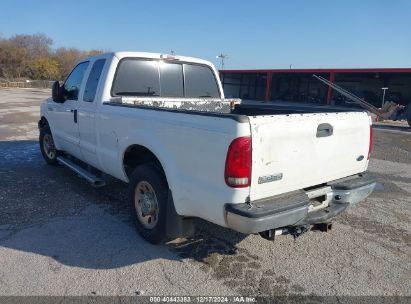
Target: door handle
[(74, 111), (324, 130)]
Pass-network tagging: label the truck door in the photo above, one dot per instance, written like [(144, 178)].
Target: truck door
[(87, 112), (64, 115)]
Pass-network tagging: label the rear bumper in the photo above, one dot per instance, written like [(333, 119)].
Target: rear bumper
[(297, 208)]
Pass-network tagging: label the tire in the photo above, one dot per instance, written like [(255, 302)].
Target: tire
[(148, 194), (47, 148)]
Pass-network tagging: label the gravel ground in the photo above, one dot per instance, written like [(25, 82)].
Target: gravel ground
[(59, 236)]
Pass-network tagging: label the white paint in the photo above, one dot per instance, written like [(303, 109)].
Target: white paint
[(287, 144)]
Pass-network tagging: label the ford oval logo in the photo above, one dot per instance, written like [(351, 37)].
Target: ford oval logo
[(360, 158)]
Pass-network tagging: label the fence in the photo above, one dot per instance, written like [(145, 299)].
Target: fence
[(41, 84)]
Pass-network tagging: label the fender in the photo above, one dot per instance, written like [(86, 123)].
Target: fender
[(150, 143), (44, 116)]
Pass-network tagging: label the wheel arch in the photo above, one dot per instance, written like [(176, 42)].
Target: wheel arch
[(43, 122), (135, 155)]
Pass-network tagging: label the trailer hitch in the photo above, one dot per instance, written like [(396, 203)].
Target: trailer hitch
[(323, 227), (295, 231)]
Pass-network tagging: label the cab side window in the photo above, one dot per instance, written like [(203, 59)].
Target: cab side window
[(73, 82), (92, 81)]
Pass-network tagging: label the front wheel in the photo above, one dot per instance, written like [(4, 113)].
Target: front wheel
[(148, 193), (47, 147)]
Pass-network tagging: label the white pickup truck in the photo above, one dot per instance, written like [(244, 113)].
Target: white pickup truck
[(161, 124)]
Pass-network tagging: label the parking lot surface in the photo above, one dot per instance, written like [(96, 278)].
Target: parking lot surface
[(60, 236)]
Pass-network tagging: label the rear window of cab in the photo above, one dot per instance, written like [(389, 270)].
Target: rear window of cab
[(156, 78)]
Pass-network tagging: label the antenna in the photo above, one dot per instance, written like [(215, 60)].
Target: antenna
[(222, 57)]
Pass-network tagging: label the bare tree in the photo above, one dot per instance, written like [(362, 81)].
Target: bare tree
[(36, 44)]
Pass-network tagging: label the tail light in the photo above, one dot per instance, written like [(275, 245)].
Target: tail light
[(370, 146), (238, 163)]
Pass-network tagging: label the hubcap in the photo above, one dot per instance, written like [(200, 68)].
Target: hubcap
[(146, 204), (48, 145)]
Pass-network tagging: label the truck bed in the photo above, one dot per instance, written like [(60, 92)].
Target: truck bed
[(225, 106), (252, 108)]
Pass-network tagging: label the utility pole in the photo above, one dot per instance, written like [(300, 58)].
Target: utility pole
[(222, 57)]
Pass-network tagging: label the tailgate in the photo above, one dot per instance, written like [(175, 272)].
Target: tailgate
[(296, 151)]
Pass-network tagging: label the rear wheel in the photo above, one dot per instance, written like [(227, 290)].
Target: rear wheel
[(148, 197), (47, 147)]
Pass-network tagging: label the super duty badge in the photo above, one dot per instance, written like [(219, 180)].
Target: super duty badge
[(270, 178)]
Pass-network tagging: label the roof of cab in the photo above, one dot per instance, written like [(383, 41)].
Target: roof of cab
[(121, 55)]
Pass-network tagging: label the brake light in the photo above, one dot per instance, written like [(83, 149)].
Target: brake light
[(238, 163), (169, 57), (370, 146)]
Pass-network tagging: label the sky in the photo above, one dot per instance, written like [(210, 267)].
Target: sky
[(254, 33)]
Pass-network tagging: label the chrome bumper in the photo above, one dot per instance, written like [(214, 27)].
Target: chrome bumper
[(296, 208)]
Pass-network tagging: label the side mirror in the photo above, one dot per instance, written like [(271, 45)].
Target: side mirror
[(56, 92), (73, 92)]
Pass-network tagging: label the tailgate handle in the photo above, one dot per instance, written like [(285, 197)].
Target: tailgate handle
[(324, 130)]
